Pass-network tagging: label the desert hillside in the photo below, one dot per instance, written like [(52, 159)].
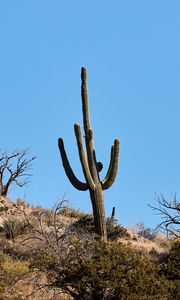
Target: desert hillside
[(33, 240)]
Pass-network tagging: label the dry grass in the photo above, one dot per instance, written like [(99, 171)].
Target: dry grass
[(155, 247)]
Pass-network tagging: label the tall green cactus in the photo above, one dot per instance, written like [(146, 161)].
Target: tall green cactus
[(91, 168)]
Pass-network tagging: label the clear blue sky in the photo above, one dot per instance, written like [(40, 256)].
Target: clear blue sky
[(132, 52)]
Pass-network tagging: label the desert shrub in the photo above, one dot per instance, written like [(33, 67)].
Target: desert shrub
[(94, 270), (14, 270), (72, 213), (170, 268), (10, 272), (13, 227), (3, 208), (21, 202), (170, 263), (115, 230), (85, 223)]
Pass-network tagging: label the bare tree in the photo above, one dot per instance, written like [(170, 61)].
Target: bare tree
[(170, 212), (14, 169)]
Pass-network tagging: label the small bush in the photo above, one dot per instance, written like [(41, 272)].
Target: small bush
[(115, 231), (72, 213), (22, 203), (14, 270), (85, 223), (3, 208), (13, 228)]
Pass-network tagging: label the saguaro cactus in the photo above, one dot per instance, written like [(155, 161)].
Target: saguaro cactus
[(91, 168)]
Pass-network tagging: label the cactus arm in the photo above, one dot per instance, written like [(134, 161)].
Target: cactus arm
[(110, 165), (87, 127), (84, 96), (69, 172), (83, 157), (113, 167)]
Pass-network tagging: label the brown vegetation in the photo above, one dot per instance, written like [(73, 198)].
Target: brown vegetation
[(59, 257)]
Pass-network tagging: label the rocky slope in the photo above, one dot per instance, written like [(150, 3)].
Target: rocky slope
[(15, 255)]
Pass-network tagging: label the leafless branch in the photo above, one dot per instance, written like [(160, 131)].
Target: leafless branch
[(170, 213), (14, 169)]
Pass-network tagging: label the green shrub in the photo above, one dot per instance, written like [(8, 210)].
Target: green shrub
[(85, 223), (170, 263), (170, 268), (13, 228), (115, 231), (94, 270), (3, 208)]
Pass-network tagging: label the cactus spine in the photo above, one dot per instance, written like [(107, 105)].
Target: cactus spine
[(91, 168)]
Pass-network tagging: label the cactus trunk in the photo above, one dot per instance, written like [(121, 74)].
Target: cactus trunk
[(91, 168), (97, 200)]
